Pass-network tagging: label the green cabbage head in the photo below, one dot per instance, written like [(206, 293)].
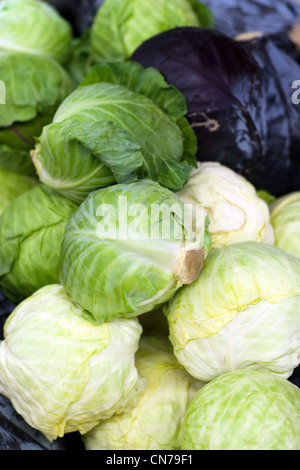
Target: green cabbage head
[(285, 218), (244, 410), (61, 372), (34, 27), (12, 185), (242, 312), (122, 123), (236, 212), (155, 422), (128, 248), (34, 87), (31, 233), (120, 26)]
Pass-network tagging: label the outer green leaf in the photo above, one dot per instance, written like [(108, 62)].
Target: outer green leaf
[(144, 125), (147, 82), (35, 27), (165, 171), (205, 15), (80, 60), (155, 423), (127, 250), (150, 83), (16, 142), (62, 373), (35, 86), (137, 114), (101, 154), (13, 185), (265, 196), (31, 232), (189, 143), (120, 26), (18, 161), (244, 410)]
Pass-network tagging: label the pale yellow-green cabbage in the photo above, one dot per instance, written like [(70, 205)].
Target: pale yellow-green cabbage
[(61, 372), (236, 213), (285, 219), (155, 423), (244, 410), (243, 311)]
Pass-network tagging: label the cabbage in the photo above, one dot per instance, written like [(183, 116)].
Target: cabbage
[(35, 41), (244, 410), (242, 312), (155, 422), (223, 88), (31, 233), (239, 100), (61, 372), (13, 185), (234, 17), (120, 26), (122, 123), (34, 27), (128, 248), (35, 86), (235, 211), (285, 219), (278, 169)]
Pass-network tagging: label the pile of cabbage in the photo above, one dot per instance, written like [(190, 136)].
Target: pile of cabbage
[(156, 296)]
